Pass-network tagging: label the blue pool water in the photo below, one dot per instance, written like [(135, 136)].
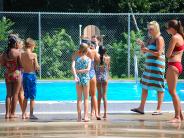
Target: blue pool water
[(117, 91)]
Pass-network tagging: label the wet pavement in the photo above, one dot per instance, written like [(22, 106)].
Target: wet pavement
[(117, 125)]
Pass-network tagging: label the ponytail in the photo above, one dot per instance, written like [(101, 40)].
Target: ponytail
[(101, 59), (102, 51), (177, 25), (180, 29), (12, 40)]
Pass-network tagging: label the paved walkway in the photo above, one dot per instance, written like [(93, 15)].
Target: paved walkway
[(117, 125)]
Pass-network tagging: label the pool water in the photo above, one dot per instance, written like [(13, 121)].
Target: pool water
[(117, 91)]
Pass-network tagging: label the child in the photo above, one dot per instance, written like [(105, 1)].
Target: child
[(80, 68), (102, 71), (11, 61), (30, 65), (21, 91)]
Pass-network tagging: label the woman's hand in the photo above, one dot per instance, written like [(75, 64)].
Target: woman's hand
[(140, 42)]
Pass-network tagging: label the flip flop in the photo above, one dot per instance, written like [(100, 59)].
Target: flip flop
[(156, 113), (137, 111), (32, 117)]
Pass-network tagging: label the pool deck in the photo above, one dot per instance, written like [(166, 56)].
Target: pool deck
[(116, 126)]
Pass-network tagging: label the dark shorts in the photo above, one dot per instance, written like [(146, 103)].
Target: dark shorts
[(29, 85)]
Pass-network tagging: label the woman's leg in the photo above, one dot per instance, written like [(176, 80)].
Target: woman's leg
[(24, 109), (9, 89), (104, 88), (140, 109), (143, 99), (99, 87), (21, 97), (16, 89), (172, 78), (79, 101), (93, 96), (160, 96), (86, 96)]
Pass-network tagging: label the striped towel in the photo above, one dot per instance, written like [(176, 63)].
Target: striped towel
[(153, 75)]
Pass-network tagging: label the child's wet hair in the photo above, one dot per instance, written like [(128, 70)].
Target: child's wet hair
[(83, 48), (29, 43), (12, 42), (102, 51)]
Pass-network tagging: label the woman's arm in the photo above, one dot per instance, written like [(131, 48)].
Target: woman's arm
[(171, 47), (160, 46)]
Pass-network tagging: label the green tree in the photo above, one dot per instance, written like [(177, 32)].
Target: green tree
[(5, 28), (118, 51), (56, 54)]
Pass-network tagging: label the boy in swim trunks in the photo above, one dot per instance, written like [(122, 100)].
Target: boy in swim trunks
[(30, 66)]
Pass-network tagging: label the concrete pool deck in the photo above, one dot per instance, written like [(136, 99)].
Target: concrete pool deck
[(65, 107), (116, 126)]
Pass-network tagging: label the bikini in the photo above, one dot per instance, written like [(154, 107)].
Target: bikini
[(12, 71), (178, 65)]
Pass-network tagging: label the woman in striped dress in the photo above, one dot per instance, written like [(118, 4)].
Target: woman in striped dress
[(153, 75)]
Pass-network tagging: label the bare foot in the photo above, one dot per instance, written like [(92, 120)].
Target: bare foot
[(181, 116), (25, 116), (86, 119), (33, 117), (105, 116), (79, 119), (175, 120), (7, 116), (13, 116)]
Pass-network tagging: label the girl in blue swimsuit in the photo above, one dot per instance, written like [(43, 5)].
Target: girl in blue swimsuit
[(80, 68)]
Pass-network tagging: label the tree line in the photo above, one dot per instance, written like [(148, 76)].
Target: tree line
[(99, 6)]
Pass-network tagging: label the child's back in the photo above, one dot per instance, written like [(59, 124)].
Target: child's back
[(28, 61)]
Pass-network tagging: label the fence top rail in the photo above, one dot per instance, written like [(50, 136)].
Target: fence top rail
[(79, 13)]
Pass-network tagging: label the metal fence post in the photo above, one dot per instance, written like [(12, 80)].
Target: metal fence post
[(40, 44), (80, 33), (128, 45)]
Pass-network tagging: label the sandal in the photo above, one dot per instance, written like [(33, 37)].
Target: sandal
[(137, 111)]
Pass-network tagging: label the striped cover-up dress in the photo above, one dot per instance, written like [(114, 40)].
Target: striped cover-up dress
[(153, 75)]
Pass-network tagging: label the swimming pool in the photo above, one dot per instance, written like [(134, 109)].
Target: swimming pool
[(117, 91)]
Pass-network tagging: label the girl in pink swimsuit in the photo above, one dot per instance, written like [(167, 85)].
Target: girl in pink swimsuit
[(12, 63)]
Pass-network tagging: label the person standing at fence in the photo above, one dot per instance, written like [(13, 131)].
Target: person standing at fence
[(11, 61), (102, 71), (80, 69), (153, 75), (174, 55), (30, 66)]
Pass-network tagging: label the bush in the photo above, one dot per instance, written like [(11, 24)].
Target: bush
[(118, 51), (56, 55)]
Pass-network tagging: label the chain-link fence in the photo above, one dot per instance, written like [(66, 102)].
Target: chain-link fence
[(58, 36)]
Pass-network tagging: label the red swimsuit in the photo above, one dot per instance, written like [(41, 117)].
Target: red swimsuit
[(178, 65), (12, 71)]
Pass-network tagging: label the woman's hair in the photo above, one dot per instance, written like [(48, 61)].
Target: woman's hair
[(176, 25), (155, 25), (102, 51), (12, 41), (83, 48), (29, 43)]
